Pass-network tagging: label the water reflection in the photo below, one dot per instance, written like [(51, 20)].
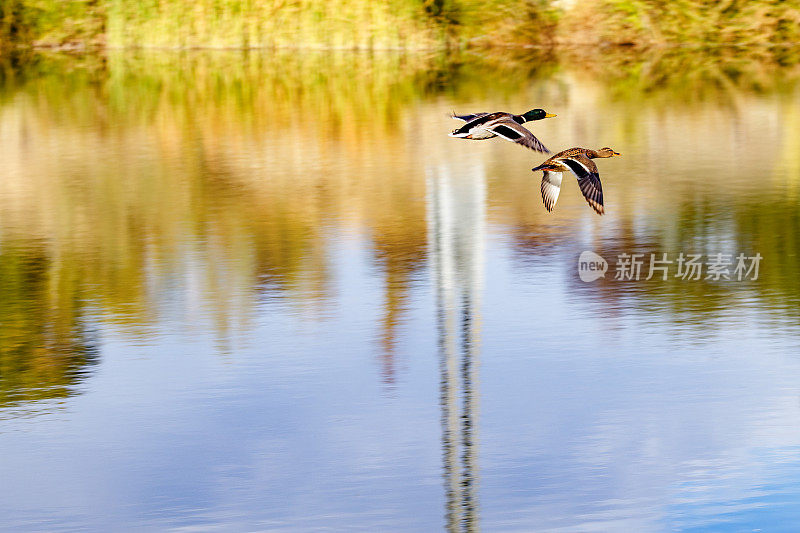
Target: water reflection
[(145, 193), (457, 212), (47, 346)]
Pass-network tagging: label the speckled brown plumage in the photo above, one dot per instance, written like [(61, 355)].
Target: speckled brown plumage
[(579, 162)]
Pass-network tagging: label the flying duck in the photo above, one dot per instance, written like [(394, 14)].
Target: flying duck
[(487, 125), (579, 162)]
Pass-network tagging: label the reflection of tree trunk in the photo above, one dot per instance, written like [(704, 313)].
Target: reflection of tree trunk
[(456, 215), (469, 377), (400, 251), (396, 289)]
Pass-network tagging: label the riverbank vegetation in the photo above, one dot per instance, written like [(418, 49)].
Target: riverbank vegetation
[(402, 24), (697, 22)]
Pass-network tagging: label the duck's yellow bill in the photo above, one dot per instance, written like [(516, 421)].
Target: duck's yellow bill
[(550, 115)]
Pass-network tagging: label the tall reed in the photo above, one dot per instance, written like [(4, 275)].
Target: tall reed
[(319, 23), (407, 24)]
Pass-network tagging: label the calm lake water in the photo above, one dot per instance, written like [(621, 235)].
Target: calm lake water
[(245, 292)]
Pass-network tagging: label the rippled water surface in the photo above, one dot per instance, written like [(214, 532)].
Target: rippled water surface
[(268, 292)]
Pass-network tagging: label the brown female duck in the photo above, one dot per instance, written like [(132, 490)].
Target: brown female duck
[(579, 162)]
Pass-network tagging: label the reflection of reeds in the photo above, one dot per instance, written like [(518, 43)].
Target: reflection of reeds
[(220, 175), (691, 75), (45, 348), (305, 134)]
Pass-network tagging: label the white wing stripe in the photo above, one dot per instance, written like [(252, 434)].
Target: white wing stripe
[(579, 163)]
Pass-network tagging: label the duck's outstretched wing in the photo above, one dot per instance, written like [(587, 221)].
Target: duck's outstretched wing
[(467, 118), (588, 180), (551, 187), (510, 130), (592, 190)]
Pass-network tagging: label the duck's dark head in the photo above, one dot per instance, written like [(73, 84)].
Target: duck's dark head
[(536, 114), (606, 152)]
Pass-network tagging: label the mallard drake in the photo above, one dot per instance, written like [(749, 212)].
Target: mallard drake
[(579, 162), (509, 127)]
